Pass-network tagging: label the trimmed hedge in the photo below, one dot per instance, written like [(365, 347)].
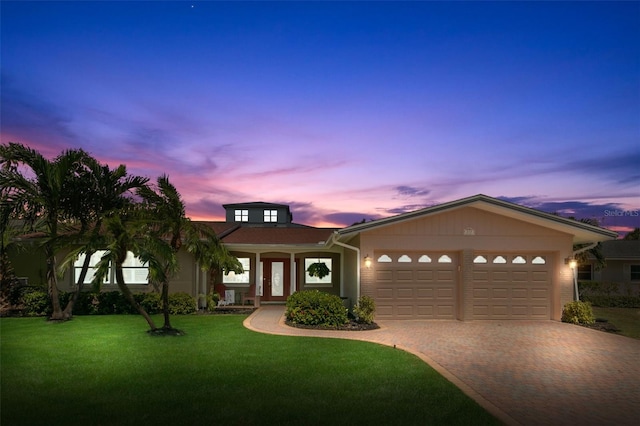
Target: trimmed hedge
[(36, 302), (613, 301), (313, 307)]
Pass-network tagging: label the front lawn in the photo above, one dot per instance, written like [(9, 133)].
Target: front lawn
[(105, 370), (627, 320)]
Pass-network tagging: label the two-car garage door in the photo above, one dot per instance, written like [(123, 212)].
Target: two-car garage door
[(414, 285)]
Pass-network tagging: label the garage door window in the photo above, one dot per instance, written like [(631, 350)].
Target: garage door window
[(444, 259), (424, 259), (480, 259), (519, 260), (384, 259), (499, 259), (538, 260), (404, 259)]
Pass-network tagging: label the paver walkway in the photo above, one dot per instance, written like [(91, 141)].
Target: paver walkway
[(523, 372)]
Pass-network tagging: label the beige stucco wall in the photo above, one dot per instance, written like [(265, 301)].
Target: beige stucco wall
[(490, 232)]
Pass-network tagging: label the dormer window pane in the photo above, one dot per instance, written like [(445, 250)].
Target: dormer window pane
[(241, 216), (271, 215)]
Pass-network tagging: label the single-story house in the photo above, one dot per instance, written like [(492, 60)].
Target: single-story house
[(622, 266), (470, 259)]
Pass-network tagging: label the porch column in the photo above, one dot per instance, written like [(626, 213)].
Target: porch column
[(293, 273), (259, 282)]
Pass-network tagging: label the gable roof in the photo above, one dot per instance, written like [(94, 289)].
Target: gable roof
[(582, 232)]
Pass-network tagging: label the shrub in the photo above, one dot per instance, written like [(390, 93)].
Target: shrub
[(365, 310), (150, 302), (36, 303), (212, 301), (613, 301), (182, 304), (86, 304), (313, 307), (578, 313), (113, 302)]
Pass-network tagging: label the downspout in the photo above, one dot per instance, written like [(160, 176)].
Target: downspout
[(575, 272), (357, 250)]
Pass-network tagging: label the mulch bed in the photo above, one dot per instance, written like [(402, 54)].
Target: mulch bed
[(351, 326), (602, 325)]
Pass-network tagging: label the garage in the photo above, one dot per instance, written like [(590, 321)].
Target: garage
[(415, 285), (478, 258), (511, 286)]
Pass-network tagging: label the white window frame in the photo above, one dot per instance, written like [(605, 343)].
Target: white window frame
[(132, 269), (241, 215), (243, 278), (324, 281), (271, 216)]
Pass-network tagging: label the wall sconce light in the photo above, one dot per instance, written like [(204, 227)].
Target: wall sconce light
[(571, 262), (367, 261)]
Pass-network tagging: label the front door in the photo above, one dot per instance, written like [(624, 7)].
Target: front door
[(276, 279)]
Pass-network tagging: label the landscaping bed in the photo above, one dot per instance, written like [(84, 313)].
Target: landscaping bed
[(350, 326)]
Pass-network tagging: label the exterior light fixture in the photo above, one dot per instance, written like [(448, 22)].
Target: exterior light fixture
[(367, 261), (573, 264)]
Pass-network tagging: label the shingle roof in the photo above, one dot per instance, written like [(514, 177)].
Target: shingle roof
[(233, 233), (621, 249)]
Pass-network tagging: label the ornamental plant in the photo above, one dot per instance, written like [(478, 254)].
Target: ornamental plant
[(313, 307), (318, 269), (364, 310), (578, 313)]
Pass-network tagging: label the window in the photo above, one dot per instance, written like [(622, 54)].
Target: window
[(519, 260), (585, 272), (384, 259), (444, 259), (499, 259), (634, 272), (134, 271), (538, 260), (243, 278), (404, 259), (315, 280), (480, 259), (424, 259), (271, 215), (241, 216)]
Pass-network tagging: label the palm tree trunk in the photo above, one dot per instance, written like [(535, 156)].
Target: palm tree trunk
[(52, 283), (129, 296), (68, 310), (165, 305)]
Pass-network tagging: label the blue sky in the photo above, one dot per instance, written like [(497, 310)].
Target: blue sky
[(345, 110)]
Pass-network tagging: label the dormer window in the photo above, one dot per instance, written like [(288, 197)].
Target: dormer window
[(241, 216), (271, 216)]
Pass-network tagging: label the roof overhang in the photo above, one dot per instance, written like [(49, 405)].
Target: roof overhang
[(582, 232)]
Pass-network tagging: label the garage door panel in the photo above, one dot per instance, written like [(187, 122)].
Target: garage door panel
[(384, 293), (520, 293), (422, 275), (425, 293), (445, 276), (540, 293), (445, 293), (404, 293), (384, 276), (445, 311), (500, 293), (404, 311), (499, 276), (403, 275), (425, 310), (520, 276), (539, 276)]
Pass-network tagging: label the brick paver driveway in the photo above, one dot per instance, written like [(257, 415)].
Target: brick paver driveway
[(525, 372)]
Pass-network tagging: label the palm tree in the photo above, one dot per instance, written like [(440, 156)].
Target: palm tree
[(38, 197), (104, 195), (170, 230)]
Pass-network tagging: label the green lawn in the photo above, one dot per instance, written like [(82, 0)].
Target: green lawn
[(626, 319), (105, 370)]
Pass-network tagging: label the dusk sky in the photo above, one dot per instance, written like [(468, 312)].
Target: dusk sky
[(343, 110)]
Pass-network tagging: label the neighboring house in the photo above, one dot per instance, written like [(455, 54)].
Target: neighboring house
[(470, 259), (622, 266)]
